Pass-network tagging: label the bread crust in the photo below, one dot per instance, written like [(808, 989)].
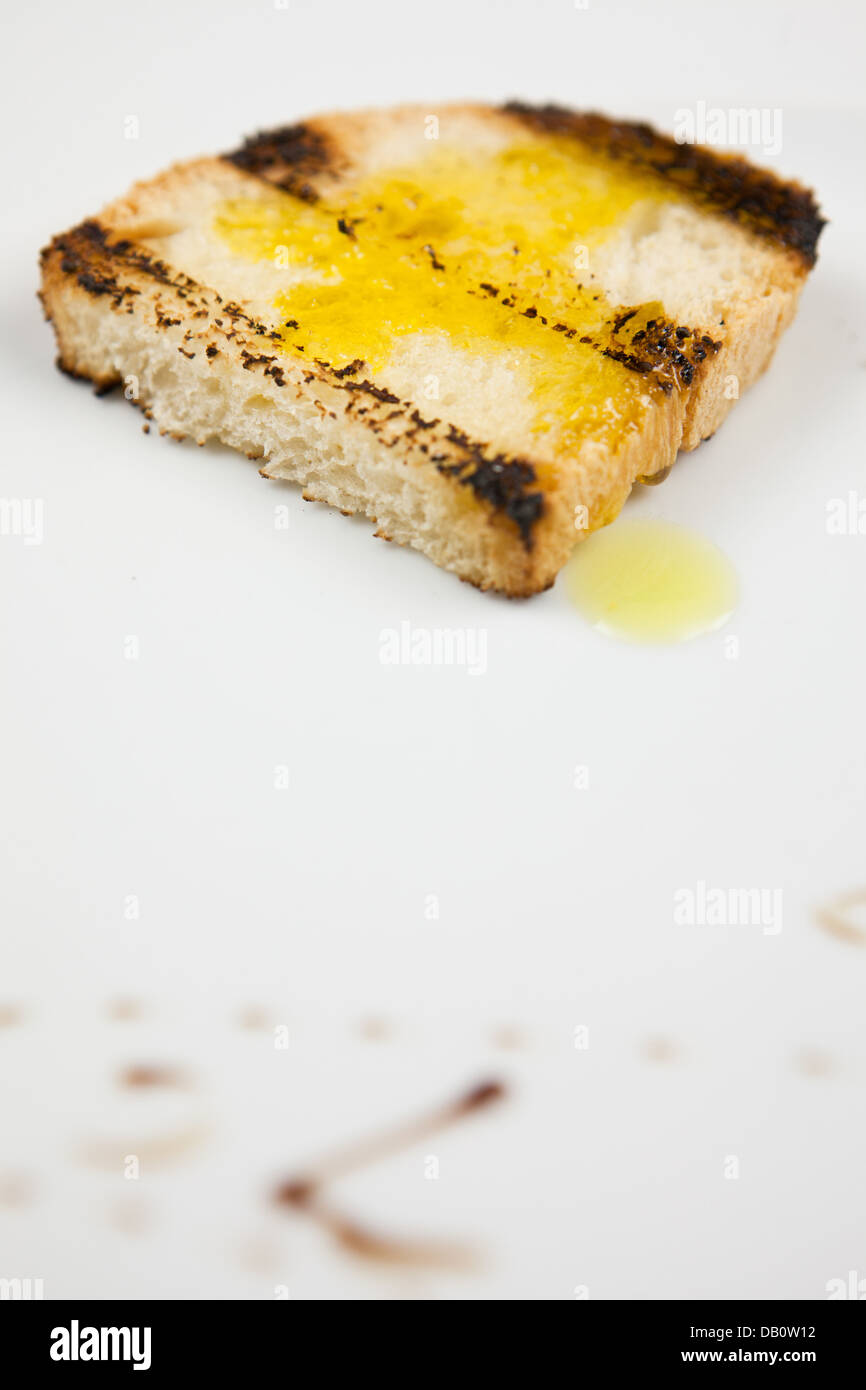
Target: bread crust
[(120, 310), (781, 211)]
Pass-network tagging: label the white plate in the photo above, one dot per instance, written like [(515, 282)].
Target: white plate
[(610, 1167)]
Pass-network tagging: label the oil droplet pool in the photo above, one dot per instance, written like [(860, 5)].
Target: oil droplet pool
[(651, 581)]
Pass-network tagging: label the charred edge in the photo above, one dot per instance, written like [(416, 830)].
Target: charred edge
[(422, 424), (288, 157), (502, 482), (88, 253), (370, 389), (505, 483), (783, 212), (237, 314), (252, 359), (671, 352), (100, 388), (664, 351), (350, 369)]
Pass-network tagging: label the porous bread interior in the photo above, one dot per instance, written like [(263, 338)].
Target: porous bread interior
[(299, 439)]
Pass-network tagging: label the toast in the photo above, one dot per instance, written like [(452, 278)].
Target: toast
[(479, 328)]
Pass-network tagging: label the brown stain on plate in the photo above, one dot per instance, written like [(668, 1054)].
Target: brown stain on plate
[(816, 1064), (153, 1076), (367, 1244), (125, 1010), (257, 1254), (374, 1029), (17, 1189), (254, 1018), (131, 1216), (834, 918), (660, 1049), (509, 1036), (155, 1150), (303, 1193)]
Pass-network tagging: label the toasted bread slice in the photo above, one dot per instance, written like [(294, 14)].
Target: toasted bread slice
[(479, 328)]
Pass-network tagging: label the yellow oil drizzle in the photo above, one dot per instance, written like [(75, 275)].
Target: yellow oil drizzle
[(407, 251), (651, 581)]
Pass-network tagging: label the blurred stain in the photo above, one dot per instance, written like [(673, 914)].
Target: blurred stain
[(125, 1010), (509, 1037), (132, 1216), (811, 1062), (375, 1029), (660, 1049), (385, 1249), (254, 1017), (11, 1015), (836, 918), (16, 1189), (258, 1255), (303, 1193), (142, 1077), (155, 1150)]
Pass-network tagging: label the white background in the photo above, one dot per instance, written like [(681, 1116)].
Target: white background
[(259, 648)]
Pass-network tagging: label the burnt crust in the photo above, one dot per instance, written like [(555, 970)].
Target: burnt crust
[(506, 484), (671, 353), (101, 387), (782, 212), (96, 261), (288, 157)]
